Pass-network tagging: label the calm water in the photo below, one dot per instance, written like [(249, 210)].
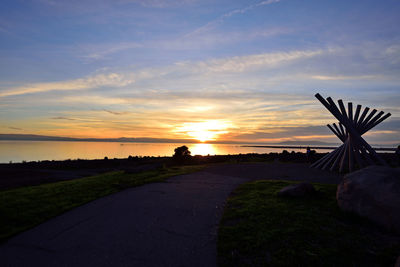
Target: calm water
[(17, 151)]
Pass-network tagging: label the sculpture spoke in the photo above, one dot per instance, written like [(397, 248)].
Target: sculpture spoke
[(355, 151)]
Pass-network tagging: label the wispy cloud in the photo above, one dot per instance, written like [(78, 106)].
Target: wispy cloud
[(96, 52), (245, 91), (344, 77), (100, 80), (107, 4), (63, 118), (213, 39), (243, 63), (116, 112), (248, 8), (224, 65), (160, 3), (223, 17), (15, 128)]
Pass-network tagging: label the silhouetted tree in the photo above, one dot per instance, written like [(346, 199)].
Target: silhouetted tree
[(182, 154), (182, 151)]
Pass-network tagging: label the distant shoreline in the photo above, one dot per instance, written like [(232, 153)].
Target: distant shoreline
[(320, 147), (287, 144)]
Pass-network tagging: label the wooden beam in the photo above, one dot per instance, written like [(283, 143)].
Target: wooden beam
[(320, 162), (356, 115), (371, 122), (338, 158), (379, 121), (341, 133), (336, 133), (360, 121), (358, 156), (351, 155), (328, 163), (365, 153), (343, 161), (344, 120), (350, 111), (365, 122), (342, 130), (342, 108)]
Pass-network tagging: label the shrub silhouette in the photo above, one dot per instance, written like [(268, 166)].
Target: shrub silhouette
[(182, 151), (182, 154)]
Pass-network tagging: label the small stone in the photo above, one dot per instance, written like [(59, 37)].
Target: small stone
[(297, 190)]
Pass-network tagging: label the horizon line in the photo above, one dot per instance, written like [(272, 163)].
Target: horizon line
[(31, 137)]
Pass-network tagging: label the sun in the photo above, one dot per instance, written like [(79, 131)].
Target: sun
[(204, 131)]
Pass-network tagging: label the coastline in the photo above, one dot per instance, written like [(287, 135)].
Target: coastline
[(320, 147)]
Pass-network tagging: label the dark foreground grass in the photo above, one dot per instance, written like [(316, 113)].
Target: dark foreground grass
[(259, 228), (23, 208)]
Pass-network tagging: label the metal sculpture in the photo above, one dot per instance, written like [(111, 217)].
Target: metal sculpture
[(355, 152)]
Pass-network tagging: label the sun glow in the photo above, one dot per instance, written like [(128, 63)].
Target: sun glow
[(203, 149), (204, 131)]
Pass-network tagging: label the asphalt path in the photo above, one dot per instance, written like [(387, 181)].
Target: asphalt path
[(160, 224)]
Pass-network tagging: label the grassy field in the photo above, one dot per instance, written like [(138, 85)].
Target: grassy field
[(259, 228), (23, 208)]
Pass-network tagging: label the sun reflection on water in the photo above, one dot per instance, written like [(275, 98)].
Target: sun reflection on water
[(203, 149)]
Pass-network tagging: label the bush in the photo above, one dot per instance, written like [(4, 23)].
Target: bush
[(182, 155)]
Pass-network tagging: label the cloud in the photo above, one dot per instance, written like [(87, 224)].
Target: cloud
[(115, 112), (221, 18), (245, 90), (344, 77), (213, 39), (89, 5), (160, 3), (244, 63), (100, 80), (214, 66), (95, 52), (393, 52), (15, 128), (63, 118), (248, 8)]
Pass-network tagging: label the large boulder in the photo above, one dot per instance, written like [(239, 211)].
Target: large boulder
[(372, 192)]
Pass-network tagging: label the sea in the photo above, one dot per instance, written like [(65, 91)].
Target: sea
[(19, 151)]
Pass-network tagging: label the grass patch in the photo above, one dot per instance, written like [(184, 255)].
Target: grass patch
[(26, 207), (258, 228)]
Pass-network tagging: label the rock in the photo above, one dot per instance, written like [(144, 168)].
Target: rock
[(297, 190), (372, 192)]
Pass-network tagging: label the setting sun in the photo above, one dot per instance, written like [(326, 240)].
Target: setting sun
[(204, 131)]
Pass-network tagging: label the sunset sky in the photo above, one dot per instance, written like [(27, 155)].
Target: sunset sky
[(211, 70)]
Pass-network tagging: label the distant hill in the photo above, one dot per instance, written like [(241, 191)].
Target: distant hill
[(305, 143), (33, 137)]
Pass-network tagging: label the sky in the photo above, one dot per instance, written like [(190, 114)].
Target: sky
[(243, 71)]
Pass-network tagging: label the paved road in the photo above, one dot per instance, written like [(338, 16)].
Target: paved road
[(161, 224)]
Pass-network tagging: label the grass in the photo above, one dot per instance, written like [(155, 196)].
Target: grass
[(26, 207), (258, 228)]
